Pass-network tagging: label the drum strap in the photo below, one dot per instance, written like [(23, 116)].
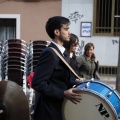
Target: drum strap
[(61, 57)]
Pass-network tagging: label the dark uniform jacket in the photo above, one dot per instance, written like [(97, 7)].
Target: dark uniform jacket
[(51, 79)]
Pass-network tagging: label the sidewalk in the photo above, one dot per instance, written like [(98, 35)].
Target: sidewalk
[(110, 80)]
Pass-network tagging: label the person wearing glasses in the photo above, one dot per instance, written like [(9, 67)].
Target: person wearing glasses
[(70, 51)]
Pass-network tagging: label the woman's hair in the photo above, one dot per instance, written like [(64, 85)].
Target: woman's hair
[(87, 47), (72, 41), (54, 23)]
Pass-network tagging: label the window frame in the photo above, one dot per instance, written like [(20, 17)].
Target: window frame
[(94, 21), (17, 17)]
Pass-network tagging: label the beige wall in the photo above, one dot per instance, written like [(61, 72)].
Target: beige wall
[(33, 16)]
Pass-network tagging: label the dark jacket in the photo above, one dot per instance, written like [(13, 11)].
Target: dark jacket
[(51, 79), (87, 67), (74, 65)]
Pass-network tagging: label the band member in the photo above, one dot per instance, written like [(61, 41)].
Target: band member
[(52, 77)]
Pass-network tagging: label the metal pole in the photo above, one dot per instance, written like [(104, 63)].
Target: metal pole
[(118, 70)]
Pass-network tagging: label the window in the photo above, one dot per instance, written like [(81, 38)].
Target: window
[(108, 70), (106, 17), (7, 29), (9, 26)]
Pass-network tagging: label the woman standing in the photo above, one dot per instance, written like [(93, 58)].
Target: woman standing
[(87, 63), (70, 52)]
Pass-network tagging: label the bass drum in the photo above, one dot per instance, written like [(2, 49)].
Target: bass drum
[(99, 102)]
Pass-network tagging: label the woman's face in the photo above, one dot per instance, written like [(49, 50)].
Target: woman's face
[(90, 51), (74, 46)]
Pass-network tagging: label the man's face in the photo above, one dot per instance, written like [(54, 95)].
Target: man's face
[(64, 33)]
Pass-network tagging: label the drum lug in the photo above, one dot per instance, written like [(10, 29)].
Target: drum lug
[(116, 106), (119, 116), (110, 93), (92, 79), (87, 84)]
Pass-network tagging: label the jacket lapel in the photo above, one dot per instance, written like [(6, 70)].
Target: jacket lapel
[(54, 46)]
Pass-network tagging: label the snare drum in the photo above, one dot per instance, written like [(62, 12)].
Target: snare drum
[(99, 102)]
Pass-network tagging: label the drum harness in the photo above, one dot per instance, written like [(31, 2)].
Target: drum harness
[(61, 57)]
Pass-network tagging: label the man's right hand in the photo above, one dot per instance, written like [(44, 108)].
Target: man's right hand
[(80, 80), (73, 95)]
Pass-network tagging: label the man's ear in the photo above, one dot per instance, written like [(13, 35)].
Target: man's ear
[(56, 32)]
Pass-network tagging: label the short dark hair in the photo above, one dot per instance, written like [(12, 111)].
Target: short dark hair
[(55, 23)]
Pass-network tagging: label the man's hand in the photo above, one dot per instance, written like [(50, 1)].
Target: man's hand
[(73, 95), (80, 80)]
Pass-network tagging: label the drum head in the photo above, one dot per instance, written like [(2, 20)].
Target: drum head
[(91, 107)]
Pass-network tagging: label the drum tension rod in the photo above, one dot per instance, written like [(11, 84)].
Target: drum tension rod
[(110, 93), (87, 84)]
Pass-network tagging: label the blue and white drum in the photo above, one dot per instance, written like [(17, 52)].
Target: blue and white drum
[(99, 102)]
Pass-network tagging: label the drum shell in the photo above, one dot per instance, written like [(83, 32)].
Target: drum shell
[(93, 93), (103, 90)]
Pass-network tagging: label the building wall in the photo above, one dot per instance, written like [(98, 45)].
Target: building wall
[(106, 48), (33, 16)]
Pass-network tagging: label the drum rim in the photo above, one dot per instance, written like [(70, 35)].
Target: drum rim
[(104, 98), (103, 83), (111, 106), (106, 101)]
